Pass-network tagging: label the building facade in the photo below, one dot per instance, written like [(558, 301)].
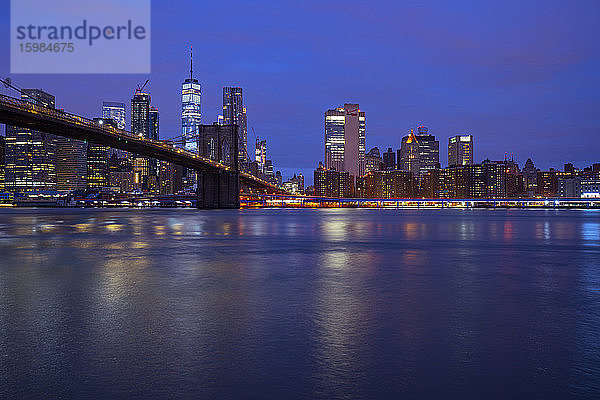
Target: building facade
[(460, 150), (30, 156), (389, 159), (71, 164), (373, 160), (332, 183), (345, 129), (191, 110), (116, 112), (234, 113)]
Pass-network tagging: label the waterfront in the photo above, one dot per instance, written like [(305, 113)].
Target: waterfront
[(329, 303)]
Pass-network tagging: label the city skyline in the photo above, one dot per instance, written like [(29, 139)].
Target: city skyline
[(525, 98)]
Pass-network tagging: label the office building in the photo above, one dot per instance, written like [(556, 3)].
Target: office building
[(373, 160), (590, 184), (97, 160), (260, 154), (530, 175), (345, 129), (234, 112), (389, 159), (30, 156), (429, 151), (191, 116), (547, 183), (332, 183), (460, 150), (408, 155), (569, 187), (141, 127), (116, 112), (71, 165)]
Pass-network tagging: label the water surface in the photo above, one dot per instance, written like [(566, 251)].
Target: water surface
[(299, 304)]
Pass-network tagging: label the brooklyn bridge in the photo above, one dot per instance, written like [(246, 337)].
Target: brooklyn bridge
[(220, 180)]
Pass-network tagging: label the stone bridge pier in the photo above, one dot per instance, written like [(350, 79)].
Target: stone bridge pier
[(219, 188)]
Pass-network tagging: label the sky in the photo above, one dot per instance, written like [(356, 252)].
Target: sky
[(523, 77)]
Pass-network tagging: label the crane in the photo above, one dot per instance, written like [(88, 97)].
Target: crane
[(140, 89)]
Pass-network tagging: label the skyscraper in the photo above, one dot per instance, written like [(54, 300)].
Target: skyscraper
[(429, 151), (373, 160), (191, 98), (420, 153), (408, 155), (389, 159), (30, 155), (140, 126), (116, 112), (71, 168), (345, 139), (260, 154), (460, 150), (97, 160), (234, 112)]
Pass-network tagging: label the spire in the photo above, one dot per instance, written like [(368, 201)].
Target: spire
[(191, 64)]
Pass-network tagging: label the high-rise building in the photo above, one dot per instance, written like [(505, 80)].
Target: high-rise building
[(140, 126), (389, 159), (260, 154), (97, 160), (530, 175), (234, 112), (154, 124), (408, 155), (30, 156), (420, 153), (460, 150), (373, 160), (345, 129), (429, 151), (116, 112), (71, 168), (191, 99)]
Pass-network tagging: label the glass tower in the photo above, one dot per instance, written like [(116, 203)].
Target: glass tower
[(116, 112), (235, 113), (191, 97), (345, 139)]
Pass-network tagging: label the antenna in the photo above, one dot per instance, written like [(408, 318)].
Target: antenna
[(191, 64)]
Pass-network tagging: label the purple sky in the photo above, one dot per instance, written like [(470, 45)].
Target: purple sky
[(523, 77)]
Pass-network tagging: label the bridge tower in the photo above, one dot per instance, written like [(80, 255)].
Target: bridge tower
[(219, 188)]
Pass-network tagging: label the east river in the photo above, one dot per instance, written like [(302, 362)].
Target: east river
[(299, 304)]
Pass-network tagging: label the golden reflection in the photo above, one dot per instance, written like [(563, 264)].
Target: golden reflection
[(114, 227)]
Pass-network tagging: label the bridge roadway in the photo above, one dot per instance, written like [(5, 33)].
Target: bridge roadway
[(25, 114)]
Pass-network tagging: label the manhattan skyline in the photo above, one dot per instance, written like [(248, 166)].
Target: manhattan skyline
[(520, 78)]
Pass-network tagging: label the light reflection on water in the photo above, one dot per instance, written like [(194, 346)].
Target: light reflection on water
[(299, 303)]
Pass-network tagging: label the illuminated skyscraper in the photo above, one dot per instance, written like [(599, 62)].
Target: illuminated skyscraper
[(345, 139), (408, 155), (140, 126), (191, 98), (30, 155), (234, 112), (71, 168), (97, 160), (116, 112), (460, 150), (420, 153), (260, 153)]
